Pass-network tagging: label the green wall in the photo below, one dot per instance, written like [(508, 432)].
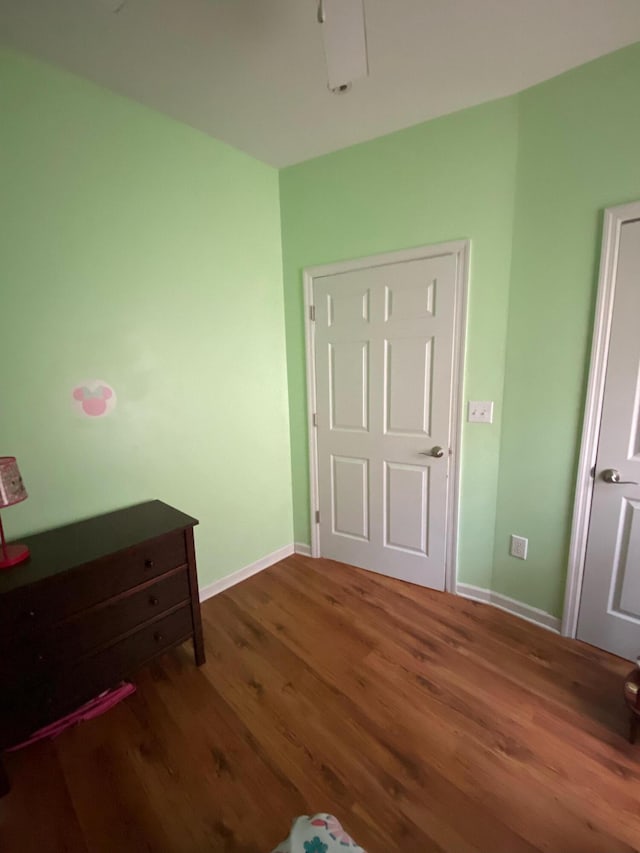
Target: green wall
[(579, 152), (443, 180), (526, 179), (138, 251)]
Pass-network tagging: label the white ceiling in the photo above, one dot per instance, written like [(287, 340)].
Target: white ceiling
[(252, 72)]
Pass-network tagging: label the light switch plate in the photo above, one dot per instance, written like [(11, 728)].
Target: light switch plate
[(480, 412)]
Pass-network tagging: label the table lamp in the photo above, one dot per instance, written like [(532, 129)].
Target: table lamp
[(12, 491)]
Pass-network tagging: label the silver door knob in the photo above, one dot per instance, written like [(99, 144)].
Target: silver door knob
[(611, 475), (436, 451)]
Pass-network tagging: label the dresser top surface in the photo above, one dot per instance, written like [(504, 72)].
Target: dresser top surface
[(74, 545)]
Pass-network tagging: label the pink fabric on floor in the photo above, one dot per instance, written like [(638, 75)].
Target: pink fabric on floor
[(93, 708)]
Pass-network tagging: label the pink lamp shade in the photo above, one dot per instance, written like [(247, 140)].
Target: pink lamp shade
[(12, 491)]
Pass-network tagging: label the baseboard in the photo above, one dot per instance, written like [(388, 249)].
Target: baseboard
[(518, 608), (228, 581), (475, 593)]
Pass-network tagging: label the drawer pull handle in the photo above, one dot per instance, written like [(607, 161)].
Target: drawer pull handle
[(158, 637), (40, 658), (148, 564), (31, 614), (153, 601)]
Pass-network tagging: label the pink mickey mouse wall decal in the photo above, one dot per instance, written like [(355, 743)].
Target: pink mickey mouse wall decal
[(94, 398)]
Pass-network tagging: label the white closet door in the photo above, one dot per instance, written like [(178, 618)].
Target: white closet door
[(384, 344), (610, 604)]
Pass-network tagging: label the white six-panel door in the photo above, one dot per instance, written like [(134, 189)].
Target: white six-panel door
[(610, 604), (384, 356)]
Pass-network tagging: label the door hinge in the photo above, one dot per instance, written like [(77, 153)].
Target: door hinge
[(317, 516), (312, 313), (315, 419), (593, 473)]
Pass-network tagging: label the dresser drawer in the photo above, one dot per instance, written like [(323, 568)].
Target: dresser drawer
[(95, 627), (29, 611), (90, 676), (23, 710), (34, 657)]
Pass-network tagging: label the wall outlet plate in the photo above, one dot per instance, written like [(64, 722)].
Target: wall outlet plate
[(519, 547), (480, 412)]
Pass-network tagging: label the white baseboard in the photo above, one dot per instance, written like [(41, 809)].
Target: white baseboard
[(475, 593), (242, 574), (518, 608)]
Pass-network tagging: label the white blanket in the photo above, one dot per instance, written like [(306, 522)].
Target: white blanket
[(321, 833)]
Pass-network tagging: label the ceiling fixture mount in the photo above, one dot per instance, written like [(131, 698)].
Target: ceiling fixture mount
[(345, 42)]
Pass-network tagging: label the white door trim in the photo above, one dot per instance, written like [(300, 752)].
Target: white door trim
[(461, 249), (614, 219)]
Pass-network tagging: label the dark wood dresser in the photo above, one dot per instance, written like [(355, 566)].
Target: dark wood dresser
[(97, 600)]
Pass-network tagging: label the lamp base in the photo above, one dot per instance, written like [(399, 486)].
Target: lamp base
[(13, 554)]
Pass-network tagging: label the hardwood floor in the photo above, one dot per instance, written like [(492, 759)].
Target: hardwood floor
[(424, 721)]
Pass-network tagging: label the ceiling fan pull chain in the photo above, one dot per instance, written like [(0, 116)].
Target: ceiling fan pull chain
[(321, 12)]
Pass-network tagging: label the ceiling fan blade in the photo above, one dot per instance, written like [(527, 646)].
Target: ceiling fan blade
[(345, 41)]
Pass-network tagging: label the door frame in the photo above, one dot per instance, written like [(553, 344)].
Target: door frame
[(461, 249), (614, 219)]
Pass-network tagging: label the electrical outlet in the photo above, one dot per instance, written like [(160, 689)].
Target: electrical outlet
[(519, 546), (480, 412)]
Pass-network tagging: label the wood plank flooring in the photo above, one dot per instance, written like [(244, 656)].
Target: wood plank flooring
[(424, 721)]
